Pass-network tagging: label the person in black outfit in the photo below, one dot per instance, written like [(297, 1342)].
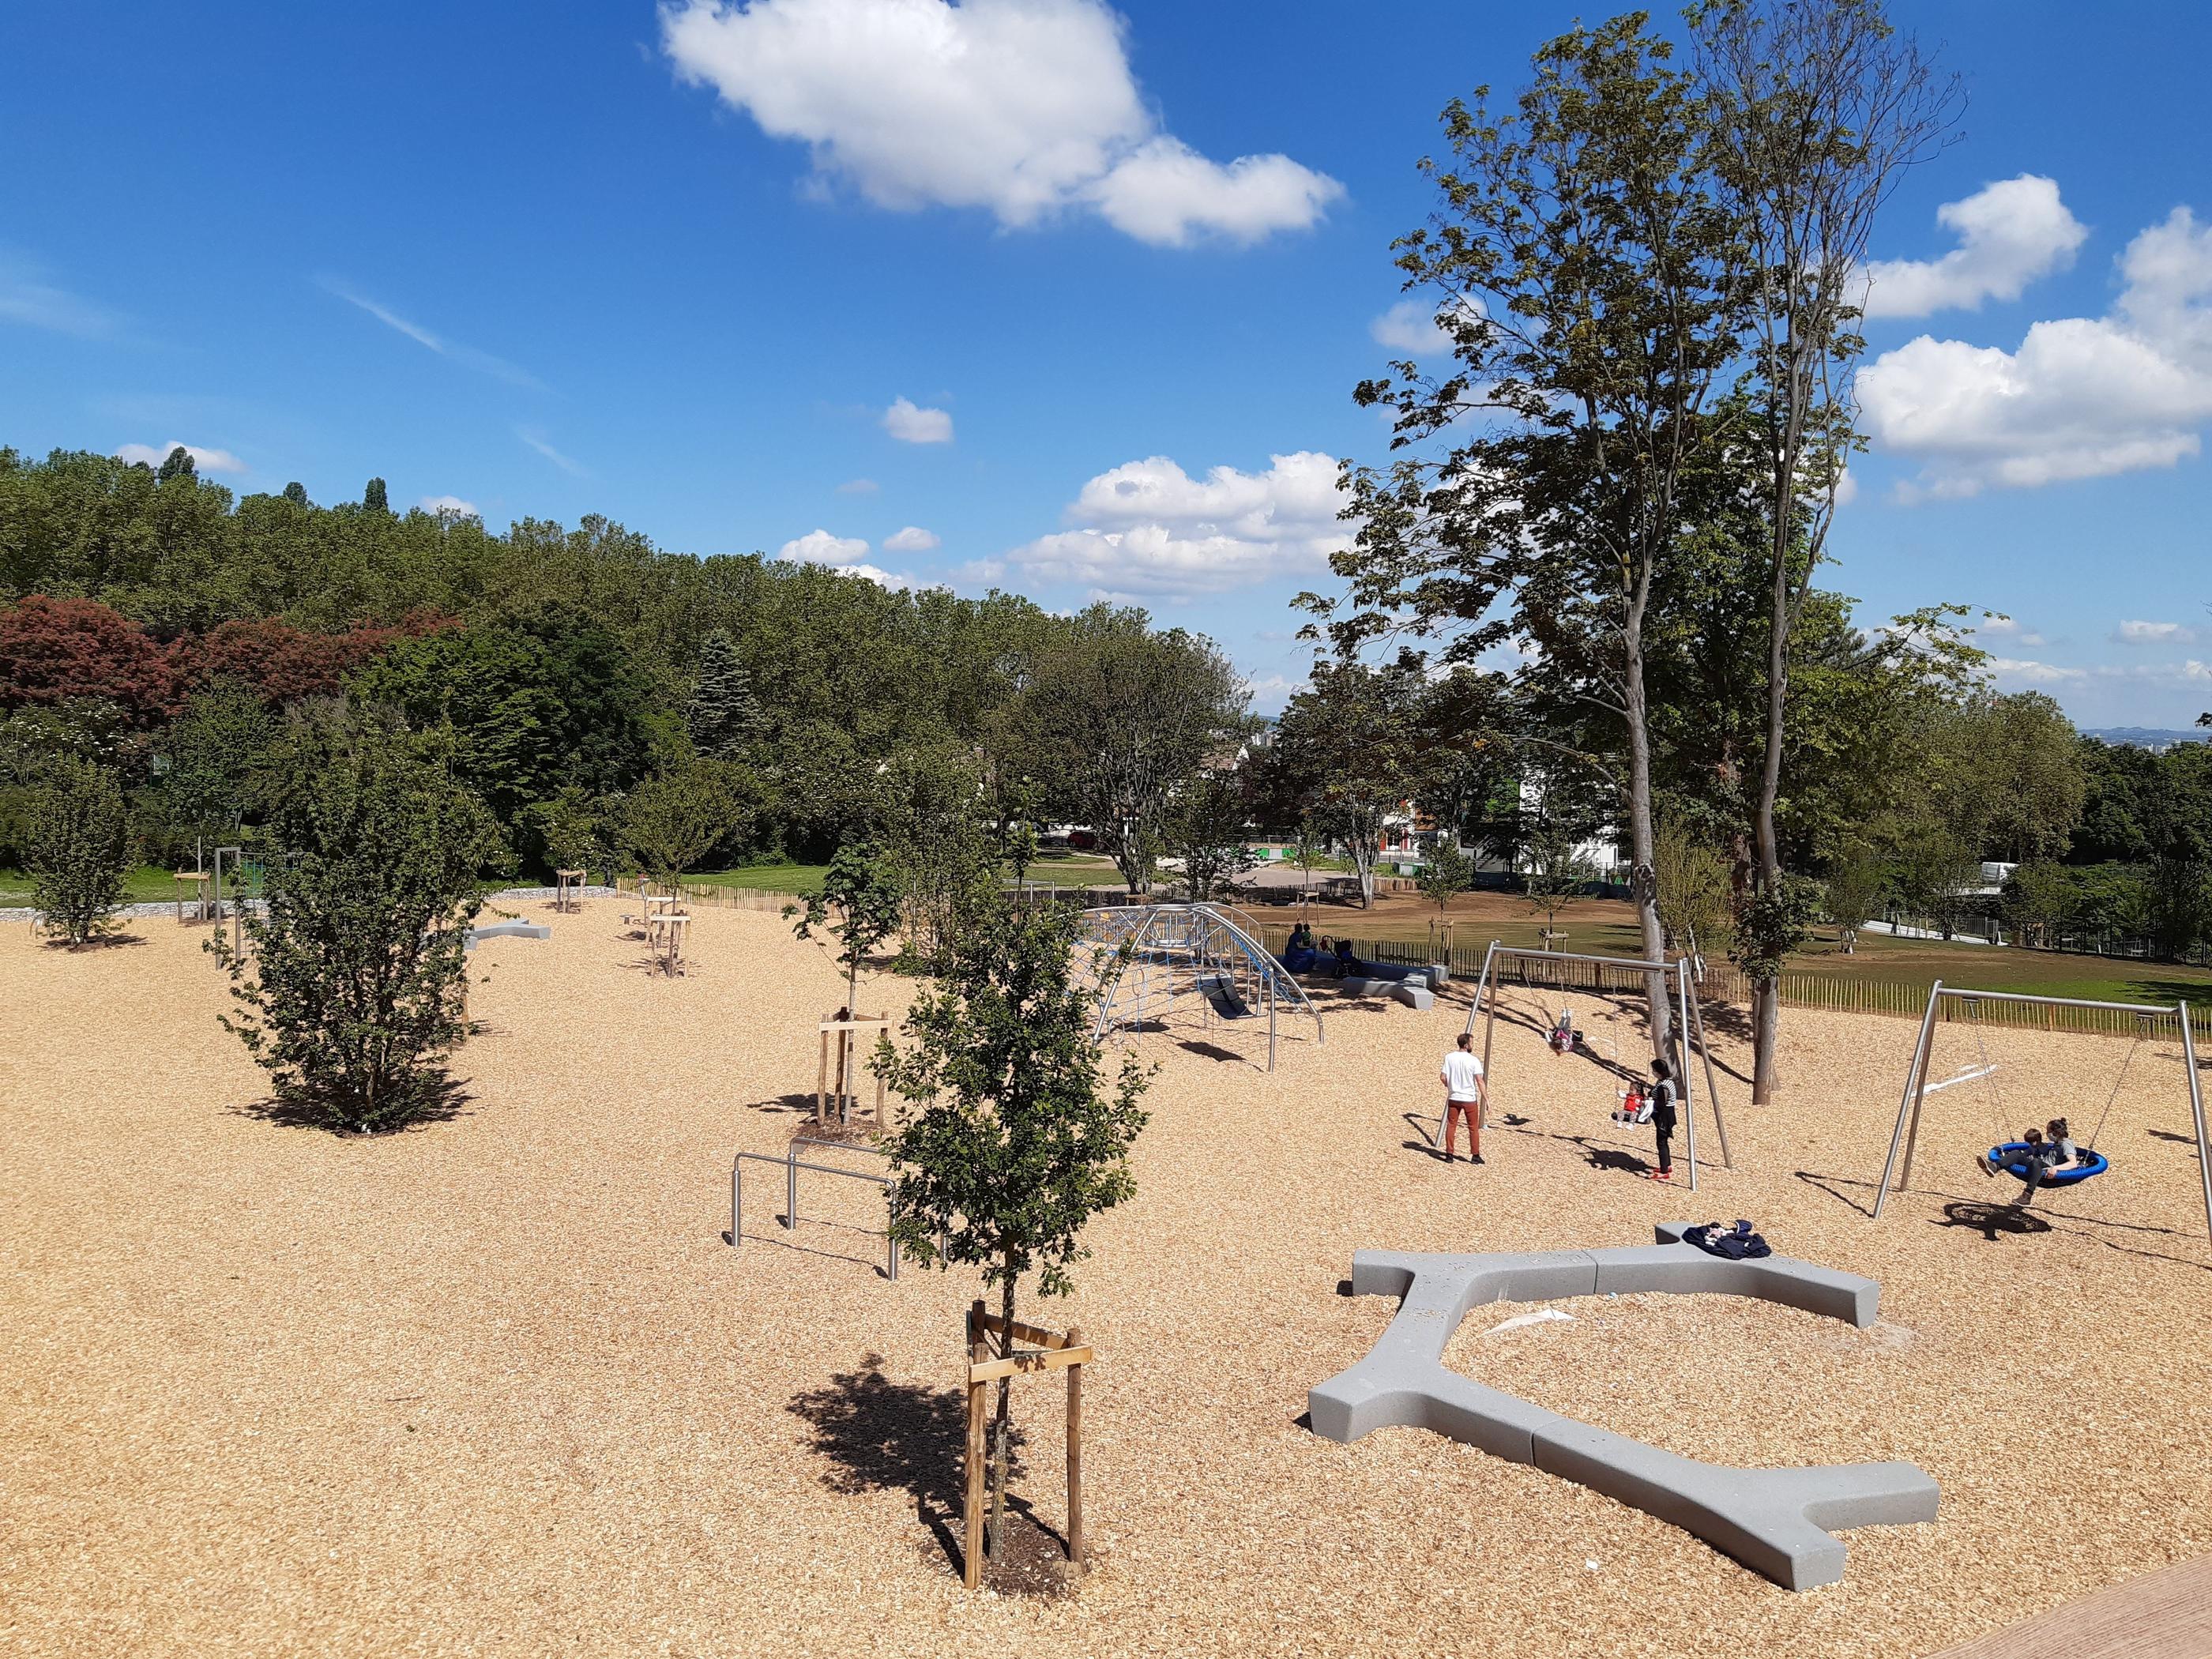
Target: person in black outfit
[(1662, 1094)]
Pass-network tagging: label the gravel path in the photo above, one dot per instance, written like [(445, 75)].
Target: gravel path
[(498, 1384)]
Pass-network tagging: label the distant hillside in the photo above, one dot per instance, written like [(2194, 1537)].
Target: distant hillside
[(2148, 736)]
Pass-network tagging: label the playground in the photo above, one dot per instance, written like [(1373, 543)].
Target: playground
[(502, 1381)]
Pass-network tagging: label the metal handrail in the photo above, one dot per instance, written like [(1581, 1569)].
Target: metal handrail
[(792, 1164)]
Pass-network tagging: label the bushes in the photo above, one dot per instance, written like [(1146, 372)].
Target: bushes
[(79, 848), (354, 996)]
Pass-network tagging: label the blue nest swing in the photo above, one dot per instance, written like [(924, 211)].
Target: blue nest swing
[(2012, 1158)]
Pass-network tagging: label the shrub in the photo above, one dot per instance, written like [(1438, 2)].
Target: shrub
[(356, 987), (672, 821), (79, 848)]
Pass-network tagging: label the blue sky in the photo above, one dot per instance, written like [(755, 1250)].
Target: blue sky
[(995, 277)]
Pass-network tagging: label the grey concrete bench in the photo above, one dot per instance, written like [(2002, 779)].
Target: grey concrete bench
[(1414, 994), (1776, 1522), (517, 929)]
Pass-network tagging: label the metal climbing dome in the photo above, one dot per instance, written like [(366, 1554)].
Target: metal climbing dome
[(1143, 959)]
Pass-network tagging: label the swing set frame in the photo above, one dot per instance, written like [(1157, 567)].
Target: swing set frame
[(1917, 1088), (1689, 1028)]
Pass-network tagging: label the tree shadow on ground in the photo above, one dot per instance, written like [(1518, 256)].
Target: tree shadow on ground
[(97, 942), (800, 1100), (1209, 1050), (439, 1099), (879, 1435)]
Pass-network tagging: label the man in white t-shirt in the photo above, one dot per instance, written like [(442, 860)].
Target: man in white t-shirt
[(1464, 1098)]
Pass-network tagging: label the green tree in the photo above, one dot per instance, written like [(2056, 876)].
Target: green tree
[(859, 903), (219, 752), (930, 805), (297, 493), (2038, 901), (1852, 894), (672, 822), (1208, 829), (353, 980), (571, 827), (1121, 719), (1813, 111), (178, 464), (1018, 1141), (722, 715), (374, 497), (1585, 275), (79, 848), (1693, 886), (1352, 751), (1553, 867), (1446, 873)]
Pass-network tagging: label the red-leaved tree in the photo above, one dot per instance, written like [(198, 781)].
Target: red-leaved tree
[(54, 650)]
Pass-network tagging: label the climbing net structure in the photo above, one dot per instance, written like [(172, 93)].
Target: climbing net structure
[(1149, 963)]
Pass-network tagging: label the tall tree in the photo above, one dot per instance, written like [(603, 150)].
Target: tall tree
[(1817, 108), (374, 497), (1121, 717), (1351, 753), (1584, 273), (723, 716), (178, 464)]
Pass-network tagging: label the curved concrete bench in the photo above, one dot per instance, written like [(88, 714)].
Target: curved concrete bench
[(1776, 1522)]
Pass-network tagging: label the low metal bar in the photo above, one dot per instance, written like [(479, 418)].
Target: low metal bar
[(792, 1164)]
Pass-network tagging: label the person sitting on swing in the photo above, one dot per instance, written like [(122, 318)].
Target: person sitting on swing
[(1563, 1032), (2038, 1159), (2064, 1154)]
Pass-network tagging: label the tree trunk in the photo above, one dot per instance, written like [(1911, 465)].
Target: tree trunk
[(994, 1535), (1643, 879), (1766, 847)]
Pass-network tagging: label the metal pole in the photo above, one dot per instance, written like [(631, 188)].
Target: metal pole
[(2197, 1112), (1712, 1089), (1919, 1108), (1904, 1103), (790, 1189), (1482, 981), (1689, 1112), (737, 1200)]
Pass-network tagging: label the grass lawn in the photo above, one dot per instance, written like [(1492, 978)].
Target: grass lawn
[(1073, 870), (149, 883)]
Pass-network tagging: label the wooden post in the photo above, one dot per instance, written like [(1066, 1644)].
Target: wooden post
[(1075, 1455), (822, 1094), (972, 1549)]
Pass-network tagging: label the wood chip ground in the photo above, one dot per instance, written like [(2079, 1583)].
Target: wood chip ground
[(500, 1385)]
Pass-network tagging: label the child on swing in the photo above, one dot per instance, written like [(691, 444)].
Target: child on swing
[(1563, 1038)]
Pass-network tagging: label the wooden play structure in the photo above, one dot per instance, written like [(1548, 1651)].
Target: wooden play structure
[(1052, 1351), (841, 1031), (567, 889), (194, 896)]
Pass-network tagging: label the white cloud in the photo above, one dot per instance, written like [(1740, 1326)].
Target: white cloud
[(1147, 527), (1026, 108), (449, 504), (2009, 234), (820, 547), (2019, 670), (537, 440), (1411, 326), (912, 539), (2153, 632), (206, 460), (2082, 398), (846, 556), (2008, 627), (858, 487), (468, 356), (27, 297), (910, 425)]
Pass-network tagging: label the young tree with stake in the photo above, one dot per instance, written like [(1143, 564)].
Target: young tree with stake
[(859, 903), (1018, 1140)]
